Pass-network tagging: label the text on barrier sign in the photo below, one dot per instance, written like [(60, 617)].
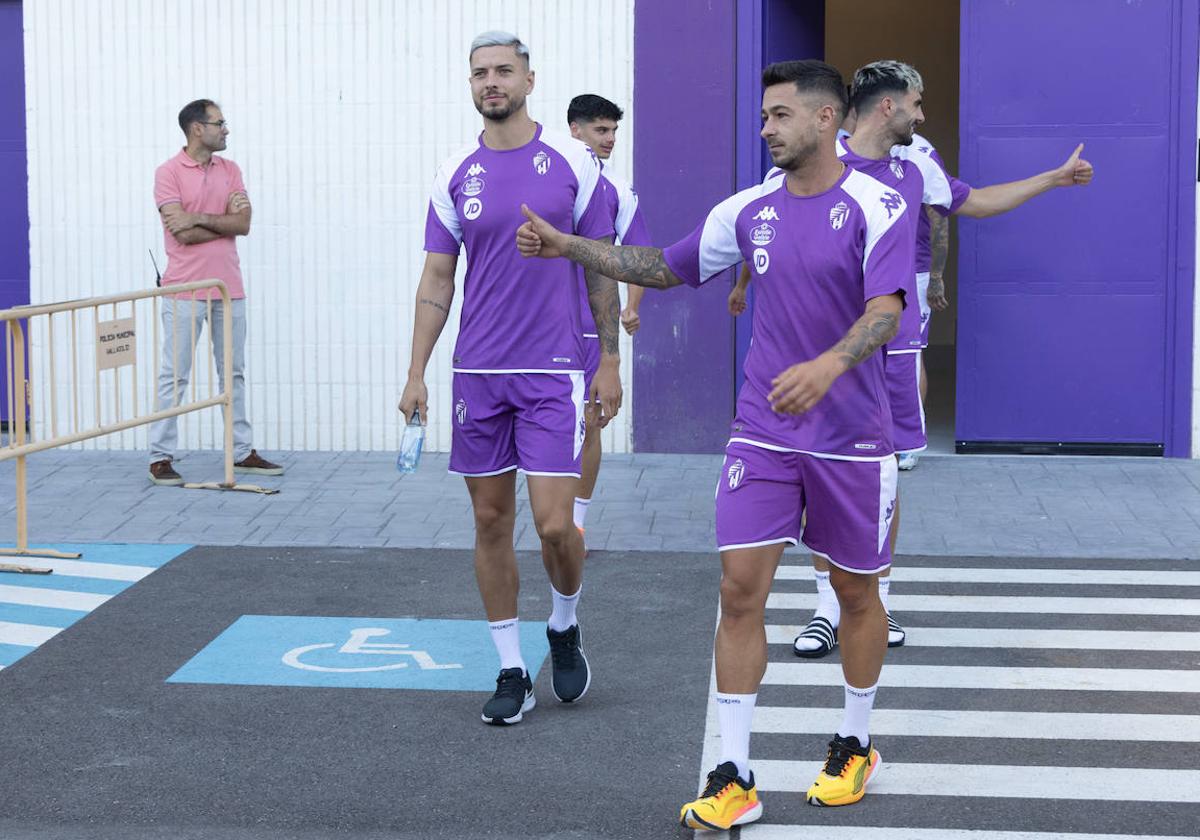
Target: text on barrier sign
[(116, 343)]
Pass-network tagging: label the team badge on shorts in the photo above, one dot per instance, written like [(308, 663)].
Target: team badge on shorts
[(838, 215), (460, 411), (737, 471), (541, 163)]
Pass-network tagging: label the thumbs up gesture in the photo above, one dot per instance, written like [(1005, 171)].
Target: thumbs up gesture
[(1075, 172), (539, 238)]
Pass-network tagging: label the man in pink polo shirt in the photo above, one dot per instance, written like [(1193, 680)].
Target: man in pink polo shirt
[(204, 206)]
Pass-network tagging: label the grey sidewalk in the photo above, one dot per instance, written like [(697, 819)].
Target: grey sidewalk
[(956, 505)]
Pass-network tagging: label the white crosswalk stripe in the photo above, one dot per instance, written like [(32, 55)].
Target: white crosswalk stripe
[(57, 598), (979, 690), (30, 635)]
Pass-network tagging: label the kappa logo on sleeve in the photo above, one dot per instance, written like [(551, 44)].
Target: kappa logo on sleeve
[(475, 169), (767, 214), (892, 201)]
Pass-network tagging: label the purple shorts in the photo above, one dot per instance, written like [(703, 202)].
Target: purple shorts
[(847, 505), (926, 309), (591, 364), (527, 421), (903, 374)]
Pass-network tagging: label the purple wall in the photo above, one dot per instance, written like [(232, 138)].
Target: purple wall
[(684, 99), (14, 203)]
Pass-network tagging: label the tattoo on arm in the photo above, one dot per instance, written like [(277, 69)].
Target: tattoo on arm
[(939, 242), (869, 333), (435, 305), (627, 263), (606, 309)]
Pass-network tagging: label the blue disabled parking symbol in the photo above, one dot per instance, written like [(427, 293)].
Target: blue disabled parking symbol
[(433, 654)]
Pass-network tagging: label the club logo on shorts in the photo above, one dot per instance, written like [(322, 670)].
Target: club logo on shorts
[(891, 508), (897, 167), (472, 186), (764, 234), (541, 163), (475, 169), (838, 215), (737, 471), (767, 214), (460, 411), (762, 260), (472, 208), (892, 201), (582, 428)]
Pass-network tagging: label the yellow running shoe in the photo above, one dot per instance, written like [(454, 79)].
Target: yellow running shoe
[(726, 801), (848, 767)]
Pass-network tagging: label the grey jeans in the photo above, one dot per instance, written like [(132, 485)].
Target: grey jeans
[(178, 316)]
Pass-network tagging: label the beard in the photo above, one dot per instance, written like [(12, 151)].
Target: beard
[(500, 111), (791, 158)]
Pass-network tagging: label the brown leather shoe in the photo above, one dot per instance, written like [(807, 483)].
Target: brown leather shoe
[(163, 474), (255, 463)]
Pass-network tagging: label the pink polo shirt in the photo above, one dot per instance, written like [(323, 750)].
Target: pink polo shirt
[(200, 189)]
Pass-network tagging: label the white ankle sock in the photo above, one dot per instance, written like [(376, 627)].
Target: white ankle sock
[(857, 714), (581, 508), (885, 584), (827, 602), (563, 614), (734, 714), (506, 636)]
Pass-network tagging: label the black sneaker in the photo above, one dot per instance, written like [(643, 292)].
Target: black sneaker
[(571, 673), (513, 697)]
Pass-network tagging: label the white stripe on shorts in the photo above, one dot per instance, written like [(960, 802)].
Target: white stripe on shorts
[(888, 476), (577, 399)]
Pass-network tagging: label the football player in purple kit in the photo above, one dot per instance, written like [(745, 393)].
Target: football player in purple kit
[(812, 433), (593, 119), (518, 362)]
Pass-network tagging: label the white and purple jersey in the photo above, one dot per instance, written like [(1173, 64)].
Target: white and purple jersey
[(818, 260), (518, 315), (950, 191), (623, 209), (919, 183)]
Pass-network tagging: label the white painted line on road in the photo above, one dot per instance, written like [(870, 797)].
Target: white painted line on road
[(965, 724), (31, 597), (1024, 639), (101, 571), (29, 635), (1007, 604), (759, 831), (1114, 784), (1105, 577), (964, 676)]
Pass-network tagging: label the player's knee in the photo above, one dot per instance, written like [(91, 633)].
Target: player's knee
[(740, 599), (491, 520), (855, 593), (554, 529)]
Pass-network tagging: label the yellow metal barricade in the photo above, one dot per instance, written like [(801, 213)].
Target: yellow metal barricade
[(115, 349)]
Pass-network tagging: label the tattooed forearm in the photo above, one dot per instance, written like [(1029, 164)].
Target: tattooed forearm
[(869, 333), (626, 263), (606, 309), (939, 242), (435, 304)]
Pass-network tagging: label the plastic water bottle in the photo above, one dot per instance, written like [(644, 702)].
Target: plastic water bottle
[(410, 445)]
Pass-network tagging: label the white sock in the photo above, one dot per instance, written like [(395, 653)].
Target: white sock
[(581, 506), (506, 636), (734, 713), (885, 584), (827, 602), (563, 614), (858, 713)]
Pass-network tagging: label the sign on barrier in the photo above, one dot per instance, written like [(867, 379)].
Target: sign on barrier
[(116, 344)]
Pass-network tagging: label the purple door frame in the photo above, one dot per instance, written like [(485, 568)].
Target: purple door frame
[(14, 199), (1075, 311)]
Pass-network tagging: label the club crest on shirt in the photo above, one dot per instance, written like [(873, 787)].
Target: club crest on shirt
[(460, 411), (736, 472), (838, 215), (897, 167), (475, 169), (472, 186), (472, 207), (541, 163), (763, 234), (762, 260)]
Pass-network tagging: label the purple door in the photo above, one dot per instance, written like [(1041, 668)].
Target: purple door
[(1074, 320), (14, 205)]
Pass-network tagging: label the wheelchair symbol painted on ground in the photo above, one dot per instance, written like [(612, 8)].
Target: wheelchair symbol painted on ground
[(357, 645)]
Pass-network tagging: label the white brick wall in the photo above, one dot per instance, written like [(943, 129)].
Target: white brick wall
[(340, 112)]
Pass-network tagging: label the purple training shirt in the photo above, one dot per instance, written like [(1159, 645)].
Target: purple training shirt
[(950, 191), (518, 315), (818, 260)]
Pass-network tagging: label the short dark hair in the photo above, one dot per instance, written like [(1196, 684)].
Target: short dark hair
[(196, 111), (809, 76), (879, 78), (588, 107)]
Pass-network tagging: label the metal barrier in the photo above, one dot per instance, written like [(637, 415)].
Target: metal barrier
[(115, 350)]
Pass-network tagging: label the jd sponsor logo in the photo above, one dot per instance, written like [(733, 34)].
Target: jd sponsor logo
[(541, 163), (767, 214), (475, 169), (737, 471), (472, 186), (460, 411), (838, 215), (764, 234), (472, 208), (762, 260)]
